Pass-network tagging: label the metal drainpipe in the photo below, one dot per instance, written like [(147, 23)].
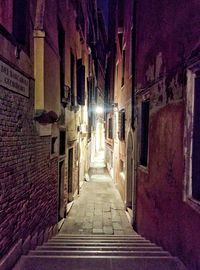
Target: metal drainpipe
[(134, 46)]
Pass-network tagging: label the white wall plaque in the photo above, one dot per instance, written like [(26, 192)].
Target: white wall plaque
[(44, 129), (13, 80)]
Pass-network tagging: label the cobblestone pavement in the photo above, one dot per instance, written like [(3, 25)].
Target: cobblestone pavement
[(99, 208)]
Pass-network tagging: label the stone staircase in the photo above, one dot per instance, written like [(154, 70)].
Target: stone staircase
[(98, 252)]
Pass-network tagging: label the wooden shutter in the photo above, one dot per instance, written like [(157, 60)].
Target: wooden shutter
[(80, 83), (121, 125)]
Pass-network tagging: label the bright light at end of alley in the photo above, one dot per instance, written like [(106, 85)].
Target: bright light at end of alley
[(99, 110)]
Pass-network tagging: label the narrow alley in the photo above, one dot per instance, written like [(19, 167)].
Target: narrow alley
[(97, 234), (99, 135), (99, 209)]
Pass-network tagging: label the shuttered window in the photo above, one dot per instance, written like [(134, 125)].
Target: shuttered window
[(72, 62), (61, 45), (80, 82), (121, 125), (62, 142), (110, 128)]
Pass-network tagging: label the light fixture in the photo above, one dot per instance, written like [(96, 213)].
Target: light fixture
[(99, 110), (115, 107)]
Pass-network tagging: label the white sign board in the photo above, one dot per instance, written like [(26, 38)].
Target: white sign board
[(13, 80), (44, 129)]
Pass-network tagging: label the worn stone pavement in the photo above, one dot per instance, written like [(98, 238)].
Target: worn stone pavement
[(99, 208)]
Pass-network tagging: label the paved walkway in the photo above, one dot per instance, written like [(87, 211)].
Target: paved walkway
[(99, 208)]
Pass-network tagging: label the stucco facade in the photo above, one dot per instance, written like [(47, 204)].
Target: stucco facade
[(167, 43), (119, 94), (45, 134)]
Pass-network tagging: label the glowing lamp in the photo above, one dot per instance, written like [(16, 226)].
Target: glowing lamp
[(99, 110)]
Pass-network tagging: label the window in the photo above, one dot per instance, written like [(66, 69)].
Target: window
[(110, 128), (80, 82), (131, 54), (115, 126), (121, 166), (121, 125), (20, 22), (53, 145), (123, 67), (196, 140), (144, 132), (80, 21), (120, 37), (62, 142), (117, 72), (89, 104), (72, 62), (121, 10)]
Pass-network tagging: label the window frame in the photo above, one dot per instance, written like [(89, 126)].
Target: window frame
[(72, 76), (188, 135), (25, 46), (122, 125), (141, 156), (110, 128), (123, 67)]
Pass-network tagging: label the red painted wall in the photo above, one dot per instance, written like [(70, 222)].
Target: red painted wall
[(170, 27), (168, 35)]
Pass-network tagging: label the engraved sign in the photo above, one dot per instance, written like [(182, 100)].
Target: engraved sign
[(44, 129), (13, 80)]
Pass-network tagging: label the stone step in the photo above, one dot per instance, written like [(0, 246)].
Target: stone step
[(98, 252), (98, 241), (97, 236), (89, 241), (98, 263), (106, 248), (85, 244)]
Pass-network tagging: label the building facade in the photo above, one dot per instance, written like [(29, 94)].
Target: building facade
[(47, 75), (152, 101), (167, 126), (119, 136)]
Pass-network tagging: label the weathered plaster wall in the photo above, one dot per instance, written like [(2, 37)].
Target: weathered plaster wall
[(122, 94), (168, 32), (6, 17), (167, 29)]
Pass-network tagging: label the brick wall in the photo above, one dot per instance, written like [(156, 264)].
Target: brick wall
[(28, 177)]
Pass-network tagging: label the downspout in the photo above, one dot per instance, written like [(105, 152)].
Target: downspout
[(39, 37)]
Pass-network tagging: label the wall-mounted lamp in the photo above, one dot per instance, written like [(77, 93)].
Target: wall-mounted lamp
[(115, 107), (99, 110)]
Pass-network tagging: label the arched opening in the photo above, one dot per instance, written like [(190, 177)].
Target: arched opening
[(130, 183)]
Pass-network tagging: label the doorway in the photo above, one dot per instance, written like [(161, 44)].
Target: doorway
[(130, 178), (61, 205), (70, 174)]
